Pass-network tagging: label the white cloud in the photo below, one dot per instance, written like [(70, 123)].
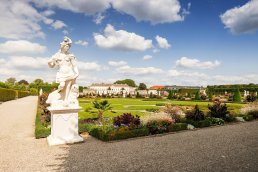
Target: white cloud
[(196, 64), (21, 46), (82, 43), (176, 73), (242, 19), (155, 11), (58, 24), (48, 13), (28, 63), (162, 42), (88, 7), (121, 40), (98, 18), (89, 66), (18, 19), (117, 63), (127, 70), (147, 57), (155, 50)]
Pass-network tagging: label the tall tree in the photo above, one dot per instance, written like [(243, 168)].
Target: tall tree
[(142, 86), (129, 82), (38, 81), (11, 81), (23, 82)]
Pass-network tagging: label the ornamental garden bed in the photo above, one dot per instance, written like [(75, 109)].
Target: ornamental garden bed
[(170, 118)]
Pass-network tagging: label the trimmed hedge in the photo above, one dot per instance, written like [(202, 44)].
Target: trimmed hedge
[(105, 133), (7, 94), (23, 94)]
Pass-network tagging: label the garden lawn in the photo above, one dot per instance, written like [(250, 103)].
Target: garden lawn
[(139, 106)]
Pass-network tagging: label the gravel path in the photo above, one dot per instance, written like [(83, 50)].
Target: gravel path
[(227, 148), (19, 150)]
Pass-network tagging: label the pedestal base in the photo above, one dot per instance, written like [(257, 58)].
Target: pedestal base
[(64, 126)]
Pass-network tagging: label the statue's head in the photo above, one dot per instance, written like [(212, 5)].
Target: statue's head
[(66, 44)]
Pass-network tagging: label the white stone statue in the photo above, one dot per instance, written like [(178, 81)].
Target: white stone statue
[(66, 76), (64, 104)]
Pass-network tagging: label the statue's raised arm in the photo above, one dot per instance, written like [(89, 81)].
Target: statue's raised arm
[(67, 92)]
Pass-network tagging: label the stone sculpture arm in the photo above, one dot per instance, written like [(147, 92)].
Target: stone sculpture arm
[(52, 61), (75, 68)]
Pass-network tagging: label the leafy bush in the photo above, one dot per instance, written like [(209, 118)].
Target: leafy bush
[(248, 117), (199, 124), (127, 119), (250, 98), (160, 126), (45, 114), (253, 113), (196, 114), (177, 127), (216, 121), (217, 110), (7, 94)]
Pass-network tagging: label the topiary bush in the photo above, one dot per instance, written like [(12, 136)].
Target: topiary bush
[(23, 94), (196, 114)]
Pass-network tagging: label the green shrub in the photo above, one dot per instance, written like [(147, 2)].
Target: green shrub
[(216, 121), (177, 127), (253, 113), (7, 94), (248, 117), (109, 134), (199, 124)]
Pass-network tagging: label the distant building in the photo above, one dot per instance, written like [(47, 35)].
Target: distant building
[(176, 87), (157, 90), (112, 89)]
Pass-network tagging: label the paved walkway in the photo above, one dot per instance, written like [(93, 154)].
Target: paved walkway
[(19, 150), (227, 148)]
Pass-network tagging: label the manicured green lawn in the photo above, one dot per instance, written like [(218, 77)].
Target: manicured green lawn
[(138, 106)]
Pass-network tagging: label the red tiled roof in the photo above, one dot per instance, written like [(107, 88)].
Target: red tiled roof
[(157, 87)]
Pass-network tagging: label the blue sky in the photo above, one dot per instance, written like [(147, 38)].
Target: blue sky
[(158, 42)]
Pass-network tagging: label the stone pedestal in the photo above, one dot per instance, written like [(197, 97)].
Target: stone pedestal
[(64, 126)]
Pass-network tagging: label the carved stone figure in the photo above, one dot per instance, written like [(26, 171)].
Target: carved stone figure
[(66, 76)]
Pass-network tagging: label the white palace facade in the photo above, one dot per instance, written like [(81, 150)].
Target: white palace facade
[(112, 89)]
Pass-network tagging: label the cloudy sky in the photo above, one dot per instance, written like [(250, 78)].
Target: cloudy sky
[(158, 42)]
